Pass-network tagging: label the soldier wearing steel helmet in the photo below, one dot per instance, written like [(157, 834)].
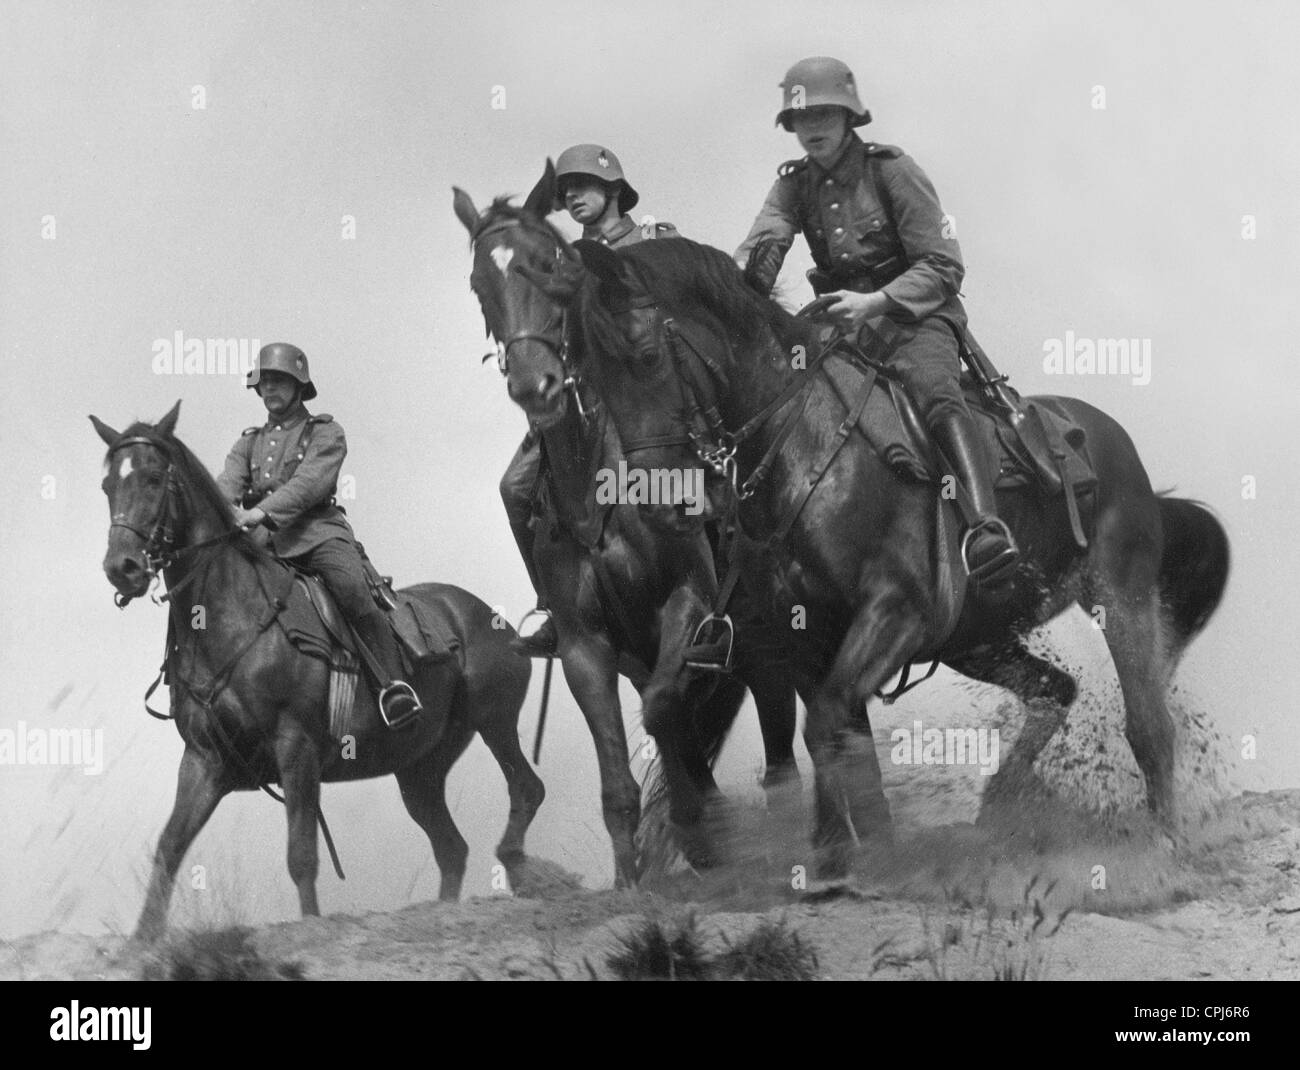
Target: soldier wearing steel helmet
[(882, 248), (282, 476), (591, 186)]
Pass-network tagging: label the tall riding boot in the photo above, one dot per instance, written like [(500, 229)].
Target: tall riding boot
[(988, 548), (398, 702), (542, 643)]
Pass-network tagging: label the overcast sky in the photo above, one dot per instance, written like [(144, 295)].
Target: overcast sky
[(130, 214)]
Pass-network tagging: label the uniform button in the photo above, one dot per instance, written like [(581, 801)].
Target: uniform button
[(272, 442), (839, 230), (844, 256), (300, 456), (835, 206), (269, 460), (829, 182), (278, 427), (875, 224)]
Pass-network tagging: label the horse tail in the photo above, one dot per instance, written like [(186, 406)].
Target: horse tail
[(1194, 568)]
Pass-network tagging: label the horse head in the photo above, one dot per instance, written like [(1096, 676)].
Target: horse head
[(139, 481), (526, 278), (162, 503)]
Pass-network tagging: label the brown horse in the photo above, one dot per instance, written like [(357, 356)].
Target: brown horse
[(624, 598), (856, 556), (252, 709)]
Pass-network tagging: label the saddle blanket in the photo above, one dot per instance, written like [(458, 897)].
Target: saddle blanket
[(432, 654)]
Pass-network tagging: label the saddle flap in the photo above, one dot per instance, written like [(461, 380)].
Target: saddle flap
[(313, 623)]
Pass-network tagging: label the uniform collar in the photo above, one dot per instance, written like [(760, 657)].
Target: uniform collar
[(617, 232), (293, 421), (847, 168)]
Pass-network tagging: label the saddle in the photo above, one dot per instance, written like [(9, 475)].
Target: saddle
[(1032, 443), (432, 655)]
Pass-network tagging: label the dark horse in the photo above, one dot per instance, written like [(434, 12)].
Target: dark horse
[(856, 559), (252, 709), (624, 597)]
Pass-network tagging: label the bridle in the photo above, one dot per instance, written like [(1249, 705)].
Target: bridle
[(554, 334), (159, 551)]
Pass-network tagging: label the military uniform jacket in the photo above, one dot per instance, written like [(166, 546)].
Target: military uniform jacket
[(627, 232), (872, 222), (294, 467)]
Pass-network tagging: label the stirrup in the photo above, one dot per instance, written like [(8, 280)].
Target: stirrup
[(540, 611), (998, 568), (709, 635), (521, 641), (394, 689)]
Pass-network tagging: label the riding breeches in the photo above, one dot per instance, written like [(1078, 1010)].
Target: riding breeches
[(520, 481), (338, 563), (927, 359)]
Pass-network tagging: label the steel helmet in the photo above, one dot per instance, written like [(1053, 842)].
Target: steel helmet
[(283, 357), (820, 80), (598, 162)]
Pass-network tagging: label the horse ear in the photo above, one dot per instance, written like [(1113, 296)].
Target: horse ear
[(464, 208), (541, 200), (104, 431), (167, 425), (600, 260)]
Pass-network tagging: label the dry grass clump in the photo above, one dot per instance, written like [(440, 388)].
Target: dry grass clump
[(216, 955), (656, 951)]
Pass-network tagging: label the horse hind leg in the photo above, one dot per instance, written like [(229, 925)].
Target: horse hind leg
[(424, 794), (199, 788), (1046, 689), (1124, 585)]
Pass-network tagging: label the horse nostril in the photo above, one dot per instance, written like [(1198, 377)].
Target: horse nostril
[(129, 567)]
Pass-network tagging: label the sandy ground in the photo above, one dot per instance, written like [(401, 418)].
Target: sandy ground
[(1064, 878)]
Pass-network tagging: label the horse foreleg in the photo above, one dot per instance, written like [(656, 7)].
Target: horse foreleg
[(850, 795), (299, 766), (199, 788), (774, 696), (590, 671), (672, 694)]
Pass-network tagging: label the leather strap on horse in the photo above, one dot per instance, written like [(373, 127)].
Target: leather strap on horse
[(841, 436)]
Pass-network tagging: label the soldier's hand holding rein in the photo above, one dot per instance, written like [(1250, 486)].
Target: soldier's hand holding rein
[(852, 309), (248, 518)]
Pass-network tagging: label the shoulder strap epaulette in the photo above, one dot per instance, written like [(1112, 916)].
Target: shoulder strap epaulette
[(792, 167), (889, 152), (249, 431), (320, 418)]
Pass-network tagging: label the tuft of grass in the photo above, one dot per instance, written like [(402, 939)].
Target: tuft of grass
[(654, 952), (772, 952), (217, 955), (976, 944)]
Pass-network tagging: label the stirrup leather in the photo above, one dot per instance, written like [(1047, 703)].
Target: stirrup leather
[(709, 633), (997, 568), (394, 689)]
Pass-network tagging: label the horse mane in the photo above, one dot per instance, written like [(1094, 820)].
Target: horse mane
[(195, 477), (689, 275)]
